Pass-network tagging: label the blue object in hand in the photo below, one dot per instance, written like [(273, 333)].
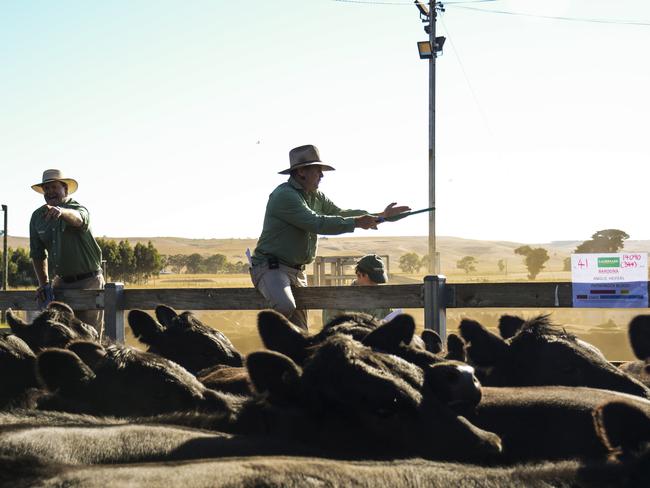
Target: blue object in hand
[(47, 295)]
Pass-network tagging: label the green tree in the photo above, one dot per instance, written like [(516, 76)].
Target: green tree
[(607, 240), (194, 263), (148, 262), (535, 259), (467, 263), (410, 262), (126, 265), (111, 255), (177, 262), (502, 265), (236, 268), (21, 271), (215, 263)]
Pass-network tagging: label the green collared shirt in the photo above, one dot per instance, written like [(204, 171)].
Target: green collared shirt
[(293, 220), (71, 250)]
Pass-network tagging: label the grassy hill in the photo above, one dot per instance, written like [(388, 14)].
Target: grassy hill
[(451, 249)]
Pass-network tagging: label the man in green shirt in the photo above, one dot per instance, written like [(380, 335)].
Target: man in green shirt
[(295, 214), (60, 236), (370, 271)]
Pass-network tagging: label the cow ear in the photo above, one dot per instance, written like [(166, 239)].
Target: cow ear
[(273, 373), (391, 334), (278, 334), (483, 347), (621, 427), (144, 327), (509, 325), (456, 348), (90, 352), (60, 307), (165, 315), (15, 322), (58, 369), (18, 347), (432, 341), (639, 335)]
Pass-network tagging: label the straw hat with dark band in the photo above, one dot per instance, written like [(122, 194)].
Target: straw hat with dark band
[(303, 156), (55, 175)]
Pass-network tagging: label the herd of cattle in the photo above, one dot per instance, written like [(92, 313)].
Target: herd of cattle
[(358, 404)]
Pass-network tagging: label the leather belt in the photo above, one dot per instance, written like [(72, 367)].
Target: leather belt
[(79, 277)]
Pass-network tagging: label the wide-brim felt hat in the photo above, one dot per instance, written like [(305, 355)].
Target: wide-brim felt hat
[(302, 156), (56, 175)]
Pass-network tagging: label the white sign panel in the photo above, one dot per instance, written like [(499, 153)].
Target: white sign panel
[(610, 280)]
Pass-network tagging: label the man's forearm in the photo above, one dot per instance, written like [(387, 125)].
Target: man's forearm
[(71, 217), (40, 268)]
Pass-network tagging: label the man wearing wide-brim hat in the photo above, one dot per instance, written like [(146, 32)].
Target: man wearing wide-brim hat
[(60, 240), (296, 213)]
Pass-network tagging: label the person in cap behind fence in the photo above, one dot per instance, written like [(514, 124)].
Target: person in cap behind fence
[(60, 239), (370, 271), (296, 213)]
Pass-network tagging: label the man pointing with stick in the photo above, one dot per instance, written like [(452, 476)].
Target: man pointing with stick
[(296, 213)]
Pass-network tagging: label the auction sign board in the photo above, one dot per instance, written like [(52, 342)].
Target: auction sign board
[(610, 280)]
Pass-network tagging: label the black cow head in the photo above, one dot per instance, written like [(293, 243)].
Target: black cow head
[(184, 339), (353, 399), (119, 381), (54, 327), (396, 337), (541, 354)]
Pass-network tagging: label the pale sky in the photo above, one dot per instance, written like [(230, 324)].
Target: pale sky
[(175, 116)]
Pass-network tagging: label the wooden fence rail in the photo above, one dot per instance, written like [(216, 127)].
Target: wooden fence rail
[(434, 295)]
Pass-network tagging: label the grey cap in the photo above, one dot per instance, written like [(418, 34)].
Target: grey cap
[(373, 266)]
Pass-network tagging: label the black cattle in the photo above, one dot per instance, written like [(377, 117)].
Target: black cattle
[(277, 333), (54, 327), (639, 336), (17, 374), (183, 339), (347, 401), (541, 354), (66, 438), (228, 379), (120, 381), (548, 422), (301, 472), (353, 401), (394, 337)]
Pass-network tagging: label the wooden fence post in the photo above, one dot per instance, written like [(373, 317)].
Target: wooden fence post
[(435, 306), (114, 311)]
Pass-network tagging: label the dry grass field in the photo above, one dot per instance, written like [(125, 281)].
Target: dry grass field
[(605, 328)]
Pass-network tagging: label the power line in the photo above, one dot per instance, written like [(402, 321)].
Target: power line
[(554, 17), (482, 113), (460, 4), (370, 2)]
